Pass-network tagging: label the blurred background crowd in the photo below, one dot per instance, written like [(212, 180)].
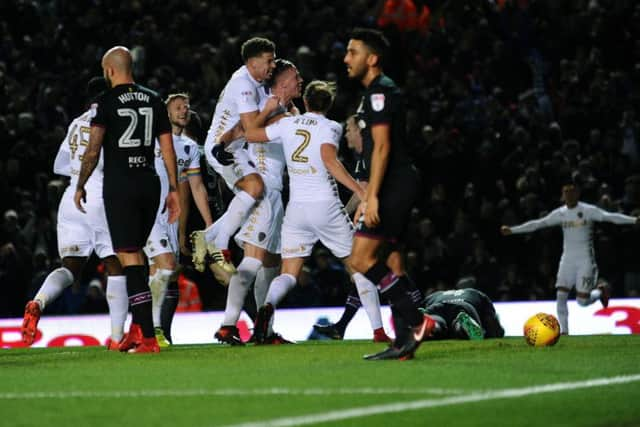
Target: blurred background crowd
[(506, 100)]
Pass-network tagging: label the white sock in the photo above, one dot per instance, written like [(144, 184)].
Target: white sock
[(118, 302), (563, 311), (236, 214), (56, 282), (158, 285), (238, 288), (279, 288), (212, 231), (368, 293), (261, 287)]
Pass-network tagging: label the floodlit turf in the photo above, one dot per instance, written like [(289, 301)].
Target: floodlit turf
[(453, 383)]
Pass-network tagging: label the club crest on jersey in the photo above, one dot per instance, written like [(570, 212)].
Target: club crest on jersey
[(579, 214), (377, 101), (187, 148)]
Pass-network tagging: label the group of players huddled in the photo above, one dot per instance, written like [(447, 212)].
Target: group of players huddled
[(132, 165)]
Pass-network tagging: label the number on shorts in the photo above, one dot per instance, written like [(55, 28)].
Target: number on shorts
[(297, 155), (125, 140)]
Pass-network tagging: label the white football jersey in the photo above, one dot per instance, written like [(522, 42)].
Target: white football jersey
[(268, 158), (72, 150), (187, 160), (242, 94), (301, 138), (577, 226)]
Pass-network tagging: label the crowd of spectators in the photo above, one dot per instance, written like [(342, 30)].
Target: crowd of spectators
[(506, 99)]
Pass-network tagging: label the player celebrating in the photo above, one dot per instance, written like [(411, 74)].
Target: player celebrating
[(577, 264), (392, 187), (163, 247), (260, 234), (314, 211), (80, 234), (238, 101), (128, 119)]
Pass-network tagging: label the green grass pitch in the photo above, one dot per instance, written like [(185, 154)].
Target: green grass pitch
[(449, 383)]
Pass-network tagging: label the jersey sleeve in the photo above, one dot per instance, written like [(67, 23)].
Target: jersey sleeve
[(380, 106), (333, 134), (62, 161), (100, 117), (600, 215), (275, 130), (194, 163), (245, 94), (547, 221)]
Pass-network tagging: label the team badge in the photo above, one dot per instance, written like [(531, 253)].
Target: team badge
[(377, 101), (579, 214), (261, 236), (187, 148), (164, 243)]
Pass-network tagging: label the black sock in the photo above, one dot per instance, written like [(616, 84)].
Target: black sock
[(395, 289), (414, 292), (168, 309), (350, 309), (140, 298)]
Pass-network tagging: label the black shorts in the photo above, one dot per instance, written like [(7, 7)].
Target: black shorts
[(131, 207), (396, 198)]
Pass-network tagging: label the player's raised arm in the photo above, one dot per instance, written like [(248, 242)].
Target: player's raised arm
[(600, 215)]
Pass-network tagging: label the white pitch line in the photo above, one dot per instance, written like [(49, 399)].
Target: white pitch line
[(117, 394), (432, 403)]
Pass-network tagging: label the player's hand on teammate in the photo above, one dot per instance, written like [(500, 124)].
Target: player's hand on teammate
[(173, 205), (371, 216), (221, 155), (273, 103), (505, 230), (80, 197)]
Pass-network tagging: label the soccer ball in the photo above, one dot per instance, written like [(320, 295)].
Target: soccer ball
[(542, 330)]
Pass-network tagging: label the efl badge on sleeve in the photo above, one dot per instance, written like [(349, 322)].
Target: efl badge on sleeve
[(377, 101)]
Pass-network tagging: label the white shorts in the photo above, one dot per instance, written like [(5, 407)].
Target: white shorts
[(307, 222), (241, 167), (80, 233), (262, 228), (163, 239), (581, 272)]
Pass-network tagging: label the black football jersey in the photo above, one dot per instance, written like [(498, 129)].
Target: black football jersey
[(133, 117)]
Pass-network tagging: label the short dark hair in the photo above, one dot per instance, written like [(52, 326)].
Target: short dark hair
[(281, 66), (95, 86), (319, 95), (256, 46), (374, 40)]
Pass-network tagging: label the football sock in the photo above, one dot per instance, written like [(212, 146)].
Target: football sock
[(279, 288), (118, 302), (212, 231), (168, 309), (350, 309), (236, 214), (158, 285), (56, 282), (261, 286), (563, 311), (395, 289), (140, 298), (238, 288), (414, 292), (369, 298)]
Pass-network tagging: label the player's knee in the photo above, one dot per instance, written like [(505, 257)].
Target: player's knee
[(112, 266), (253, 185)]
